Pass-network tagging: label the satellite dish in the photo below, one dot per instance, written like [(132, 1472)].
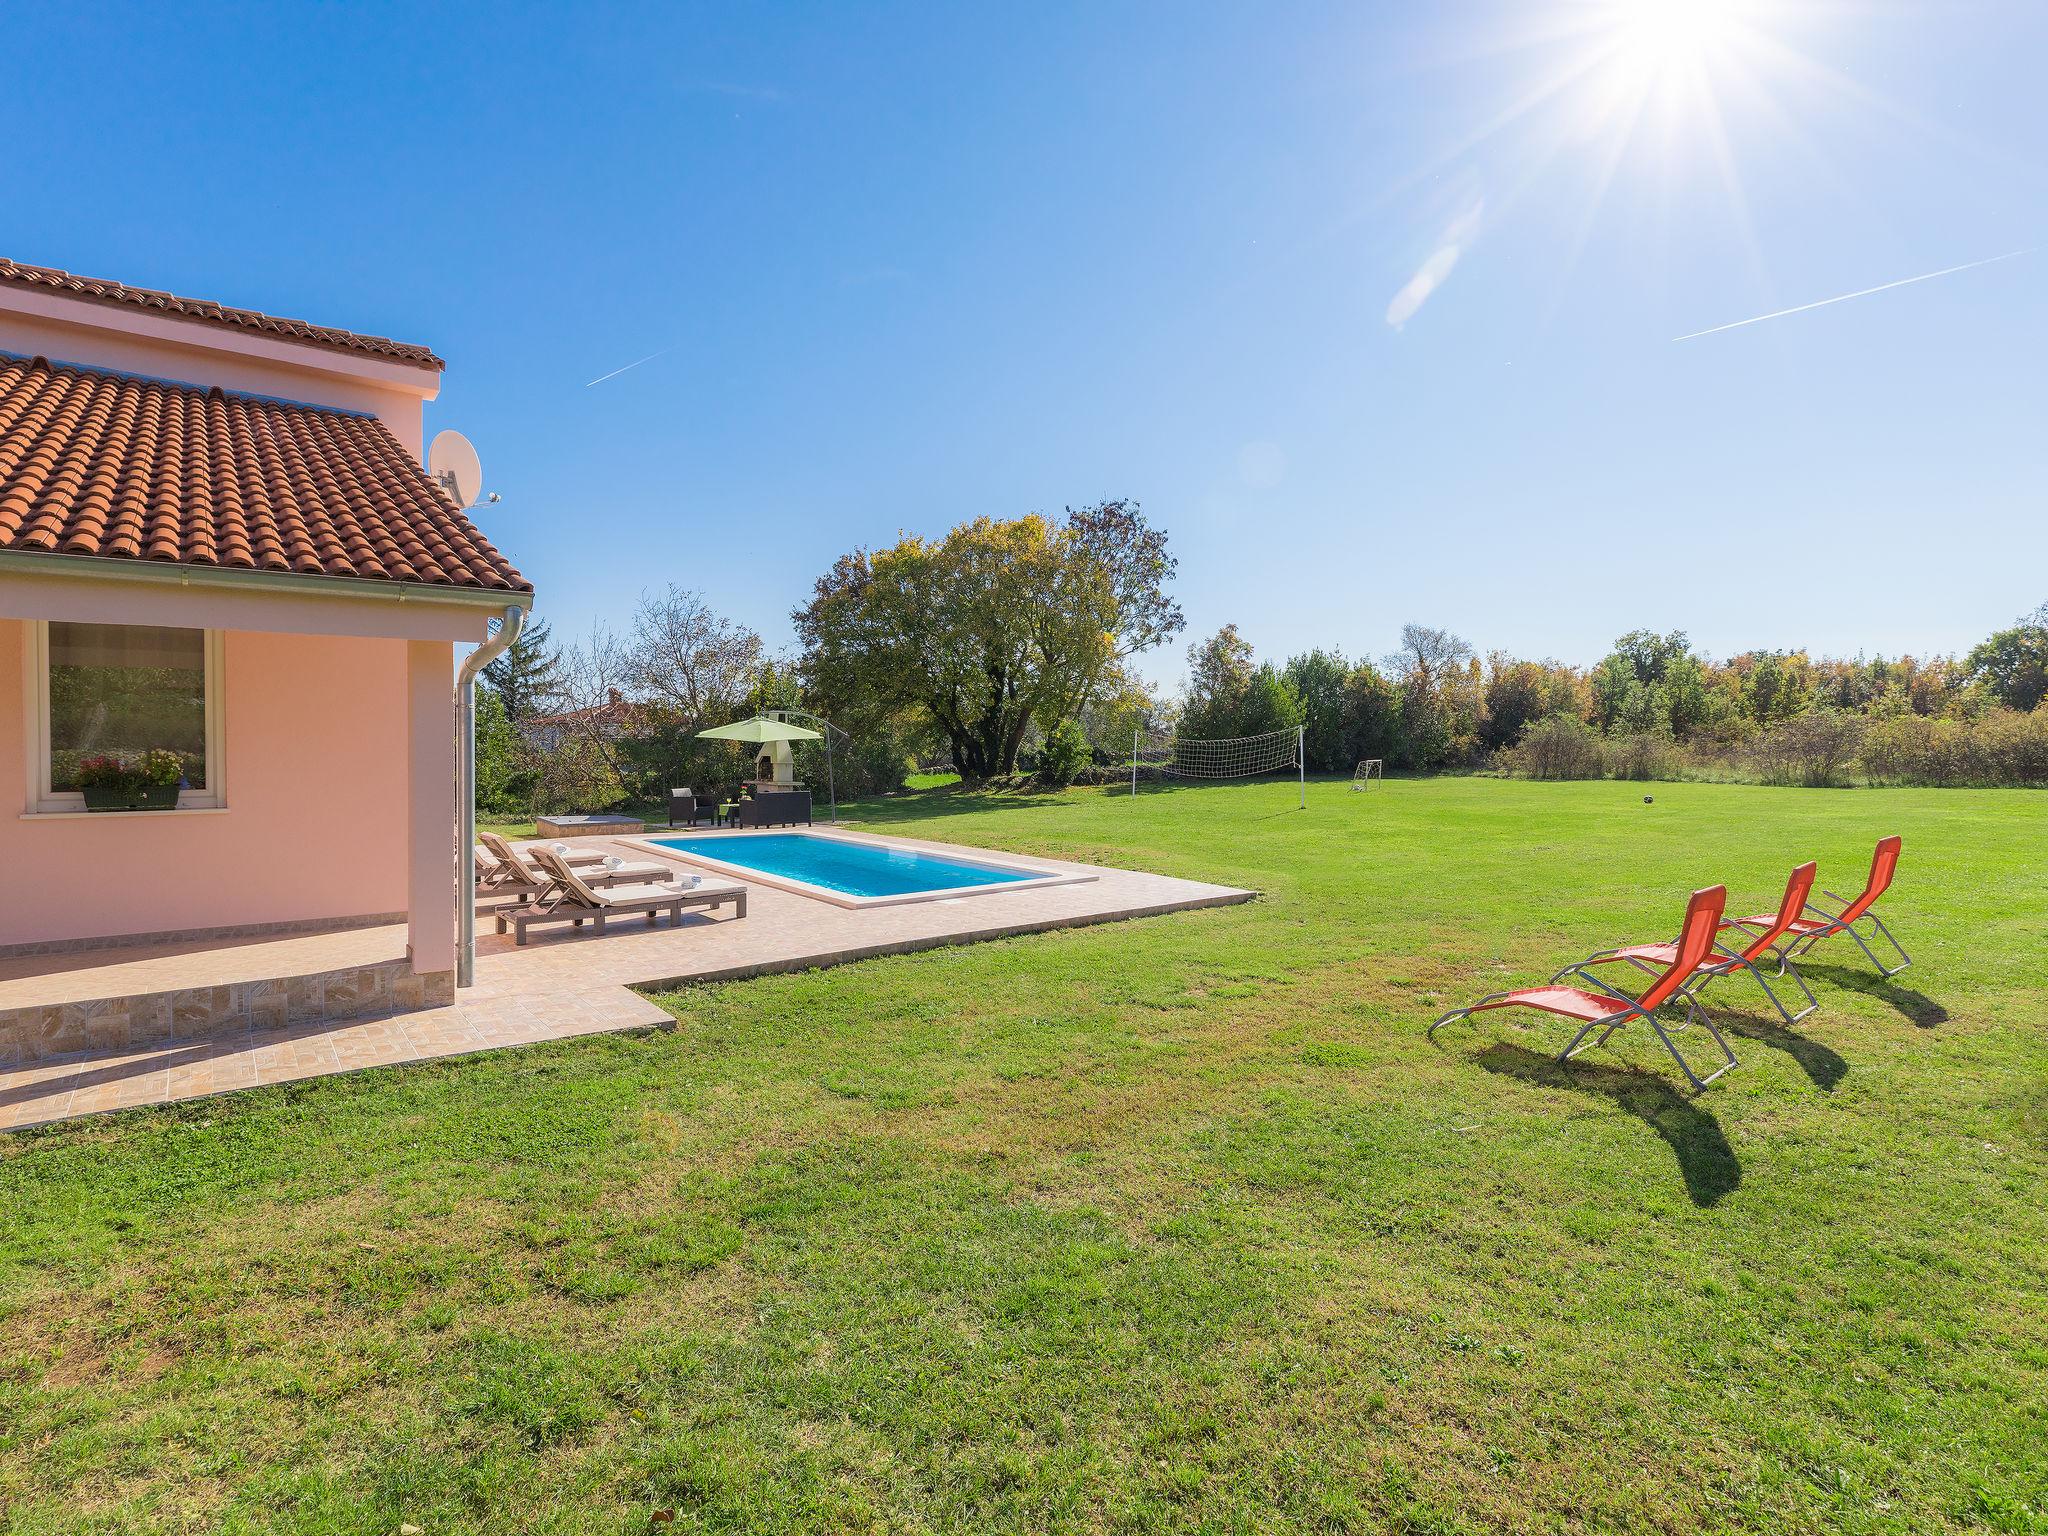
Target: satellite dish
[(452, 462)]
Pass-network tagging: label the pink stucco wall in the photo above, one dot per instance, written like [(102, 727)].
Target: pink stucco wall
[(322, 817)]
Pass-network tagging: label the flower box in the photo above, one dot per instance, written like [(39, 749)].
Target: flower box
[(145, 781), (144, 797)]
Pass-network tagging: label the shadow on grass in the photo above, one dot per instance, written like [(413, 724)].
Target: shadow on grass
[(1817, 1061), (1705, 1159), (944, 800), (1918, 1007)]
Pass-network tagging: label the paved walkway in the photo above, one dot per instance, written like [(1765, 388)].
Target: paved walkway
[(557, 986)]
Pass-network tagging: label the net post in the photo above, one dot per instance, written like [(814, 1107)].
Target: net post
[(1134, 762), (1301, 761)]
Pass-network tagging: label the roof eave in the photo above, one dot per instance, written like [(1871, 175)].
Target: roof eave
[(304, 584)]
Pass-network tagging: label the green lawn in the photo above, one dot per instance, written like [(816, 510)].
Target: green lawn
[(1171, 1225)]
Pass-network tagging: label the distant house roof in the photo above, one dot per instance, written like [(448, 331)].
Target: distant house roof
[(617, 713), (111, 466), (105, 291)]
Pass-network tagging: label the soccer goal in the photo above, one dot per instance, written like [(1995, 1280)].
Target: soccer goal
[(1368, 769), (1234, 757)]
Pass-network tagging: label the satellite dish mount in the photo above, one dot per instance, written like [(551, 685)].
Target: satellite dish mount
[(453, 465)]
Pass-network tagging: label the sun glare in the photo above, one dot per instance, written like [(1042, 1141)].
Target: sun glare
[(1668, 57), (1653, 38)]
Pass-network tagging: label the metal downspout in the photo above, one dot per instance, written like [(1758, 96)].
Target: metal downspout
[(465, 787)]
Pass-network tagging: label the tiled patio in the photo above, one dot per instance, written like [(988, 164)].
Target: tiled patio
[(557, 986)]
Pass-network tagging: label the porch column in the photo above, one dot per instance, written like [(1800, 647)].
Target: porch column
[(431, 881)]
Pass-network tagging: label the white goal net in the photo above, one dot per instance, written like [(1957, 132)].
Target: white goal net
[(1235, 757), (1368, 769)]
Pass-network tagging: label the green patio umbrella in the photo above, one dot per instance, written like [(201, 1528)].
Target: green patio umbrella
[(758, 730)]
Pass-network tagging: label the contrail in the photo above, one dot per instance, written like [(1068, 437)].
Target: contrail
[(1842, 298), (650, 357)]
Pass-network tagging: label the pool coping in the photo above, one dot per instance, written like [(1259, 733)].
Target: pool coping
[(1039, 876)]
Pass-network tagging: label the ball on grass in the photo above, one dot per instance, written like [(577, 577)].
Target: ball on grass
[(1649, 799)]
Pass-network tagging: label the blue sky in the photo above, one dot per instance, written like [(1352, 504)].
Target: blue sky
[(910, 264)]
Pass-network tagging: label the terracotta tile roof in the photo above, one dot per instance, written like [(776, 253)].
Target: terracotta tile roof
[(103, 464), (105, 291)]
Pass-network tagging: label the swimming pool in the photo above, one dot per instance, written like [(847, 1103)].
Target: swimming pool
[(851, 872)]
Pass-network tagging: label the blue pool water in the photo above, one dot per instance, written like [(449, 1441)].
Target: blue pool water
[(852, 869)]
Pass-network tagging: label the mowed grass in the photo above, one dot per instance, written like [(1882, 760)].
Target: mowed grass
[(1160, 1226)]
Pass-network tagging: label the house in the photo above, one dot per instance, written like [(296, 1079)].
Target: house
[(218, 539), (617, 716)]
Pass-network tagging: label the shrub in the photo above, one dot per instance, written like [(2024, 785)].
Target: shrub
[(1643, 755), (1894, 748), (2000, 746), (1811, 749), (2012, 748), (575, 777), (1558, 747), (1064, 754)]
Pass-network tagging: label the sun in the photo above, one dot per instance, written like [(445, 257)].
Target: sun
[(1653, 39), (1672, 58)]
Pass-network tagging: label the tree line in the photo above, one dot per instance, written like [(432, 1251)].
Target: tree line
[(1653, 707), (1008, 646)]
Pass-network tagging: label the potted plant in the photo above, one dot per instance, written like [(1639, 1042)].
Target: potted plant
[(163, 774), (149, 782), (104, 780)]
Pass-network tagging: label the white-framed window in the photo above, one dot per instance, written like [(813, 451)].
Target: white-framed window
[(121, 690)]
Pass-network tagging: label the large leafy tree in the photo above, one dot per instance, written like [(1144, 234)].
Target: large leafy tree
[(998, 624), (1317, 678), (1221, 673), (2013, 663)]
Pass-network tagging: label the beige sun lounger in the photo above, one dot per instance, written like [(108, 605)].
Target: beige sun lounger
[(514, 872), (502, 848), (576, 900)]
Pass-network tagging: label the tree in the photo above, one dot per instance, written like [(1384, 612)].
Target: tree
[(527, 674), (504, 776), (1427, 655), (1372, 715), (1317, 679), (1221, 672), (1273, 704), (1430, 666), (1518, 693), (998, 625), (1064, 754), (690, 660), (1649, 655), (1122, 703), (589, 731), (2013, 663), (1651, 683), (1132, 554), (1772, 688)]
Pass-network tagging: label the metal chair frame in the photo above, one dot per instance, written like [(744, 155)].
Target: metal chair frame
[(1884, 865), (1789, 951), (1734, 961), (1706, 905), (1608, 1024)]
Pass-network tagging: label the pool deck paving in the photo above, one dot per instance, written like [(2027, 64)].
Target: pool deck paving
[(561, 984)]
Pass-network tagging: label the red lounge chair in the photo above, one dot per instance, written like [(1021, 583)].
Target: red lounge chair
[(1608, 1009), (1819, 923), (1723, 961)]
